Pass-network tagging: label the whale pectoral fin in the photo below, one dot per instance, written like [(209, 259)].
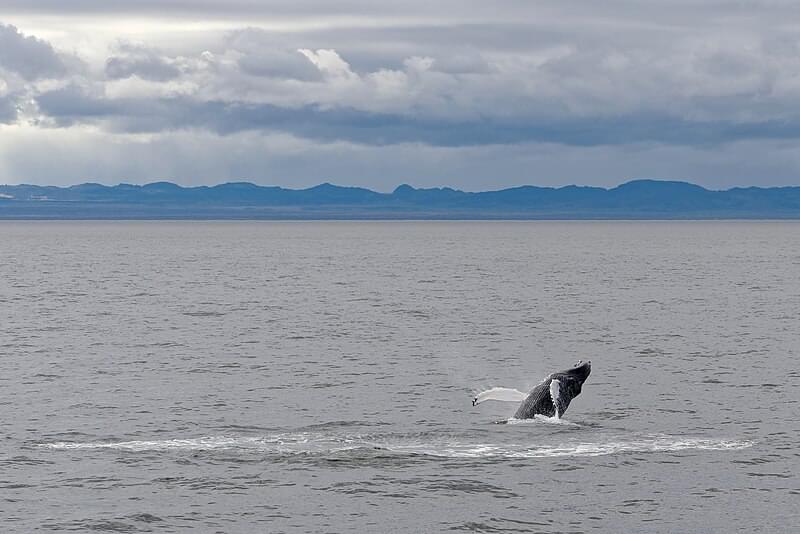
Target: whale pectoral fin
[(558, 401), (562, 391), (499, 394)]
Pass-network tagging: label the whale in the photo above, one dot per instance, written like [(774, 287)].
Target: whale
[(550, 398)]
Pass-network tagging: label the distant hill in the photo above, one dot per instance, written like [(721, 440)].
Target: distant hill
[(639, 199)]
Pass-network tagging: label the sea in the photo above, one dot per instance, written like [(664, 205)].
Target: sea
[(242, 377)]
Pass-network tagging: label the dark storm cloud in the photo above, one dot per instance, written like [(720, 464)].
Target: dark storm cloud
[(27, 56)]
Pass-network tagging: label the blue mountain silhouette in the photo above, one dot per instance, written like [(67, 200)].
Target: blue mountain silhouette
[(638, 199)]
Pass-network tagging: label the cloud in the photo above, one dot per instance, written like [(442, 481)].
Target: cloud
[(506, 85), (325, 122), (259, 54), (27, 56), (281, 64), (692, 76), (572, 94), (8, 110), (330, 63), (145, 63), (81, 153)]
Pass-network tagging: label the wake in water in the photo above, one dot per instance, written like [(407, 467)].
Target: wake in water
[(303, 443), (574, 449)]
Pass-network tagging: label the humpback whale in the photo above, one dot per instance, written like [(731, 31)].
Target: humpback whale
[(550, 398)]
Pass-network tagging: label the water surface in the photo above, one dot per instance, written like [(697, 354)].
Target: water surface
[(317, 377)]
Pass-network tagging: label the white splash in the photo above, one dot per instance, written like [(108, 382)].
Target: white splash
[(488, 450), (540, 418), (319, 444), (300, 442)]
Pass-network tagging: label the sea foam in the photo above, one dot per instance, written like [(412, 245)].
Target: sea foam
[(320, 444)]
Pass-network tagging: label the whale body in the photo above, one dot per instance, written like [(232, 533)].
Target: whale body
[(551, 398)]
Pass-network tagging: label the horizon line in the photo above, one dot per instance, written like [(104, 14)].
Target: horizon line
[(399, 187)]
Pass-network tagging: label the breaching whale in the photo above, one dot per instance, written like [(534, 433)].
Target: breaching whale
[(550, 398)]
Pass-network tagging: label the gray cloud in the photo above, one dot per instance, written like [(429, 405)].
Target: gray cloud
[(267, 54), (312, 9), (78, 155), (8, 110), (278, 64), (420, 104), (70, 106), (586, 12), (29, 57), (145, 63)]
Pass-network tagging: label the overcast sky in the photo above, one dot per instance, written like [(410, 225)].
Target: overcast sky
[(469, 94)]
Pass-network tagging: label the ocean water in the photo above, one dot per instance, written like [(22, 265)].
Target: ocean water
[(317, 377)]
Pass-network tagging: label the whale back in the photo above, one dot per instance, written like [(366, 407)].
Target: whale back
[(537, 402)]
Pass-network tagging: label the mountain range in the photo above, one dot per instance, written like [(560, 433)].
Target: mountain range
[(638, 199)]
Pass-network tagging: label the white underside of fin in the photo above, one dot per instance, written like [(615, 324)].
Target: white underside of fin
[(499, 394), (555, 392)]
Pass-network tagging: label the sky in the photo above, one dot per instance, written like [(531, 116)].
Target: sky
[(469, 94)]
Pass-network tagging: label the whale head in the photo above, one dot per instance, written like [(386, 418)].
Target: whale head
[(580, 370)]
